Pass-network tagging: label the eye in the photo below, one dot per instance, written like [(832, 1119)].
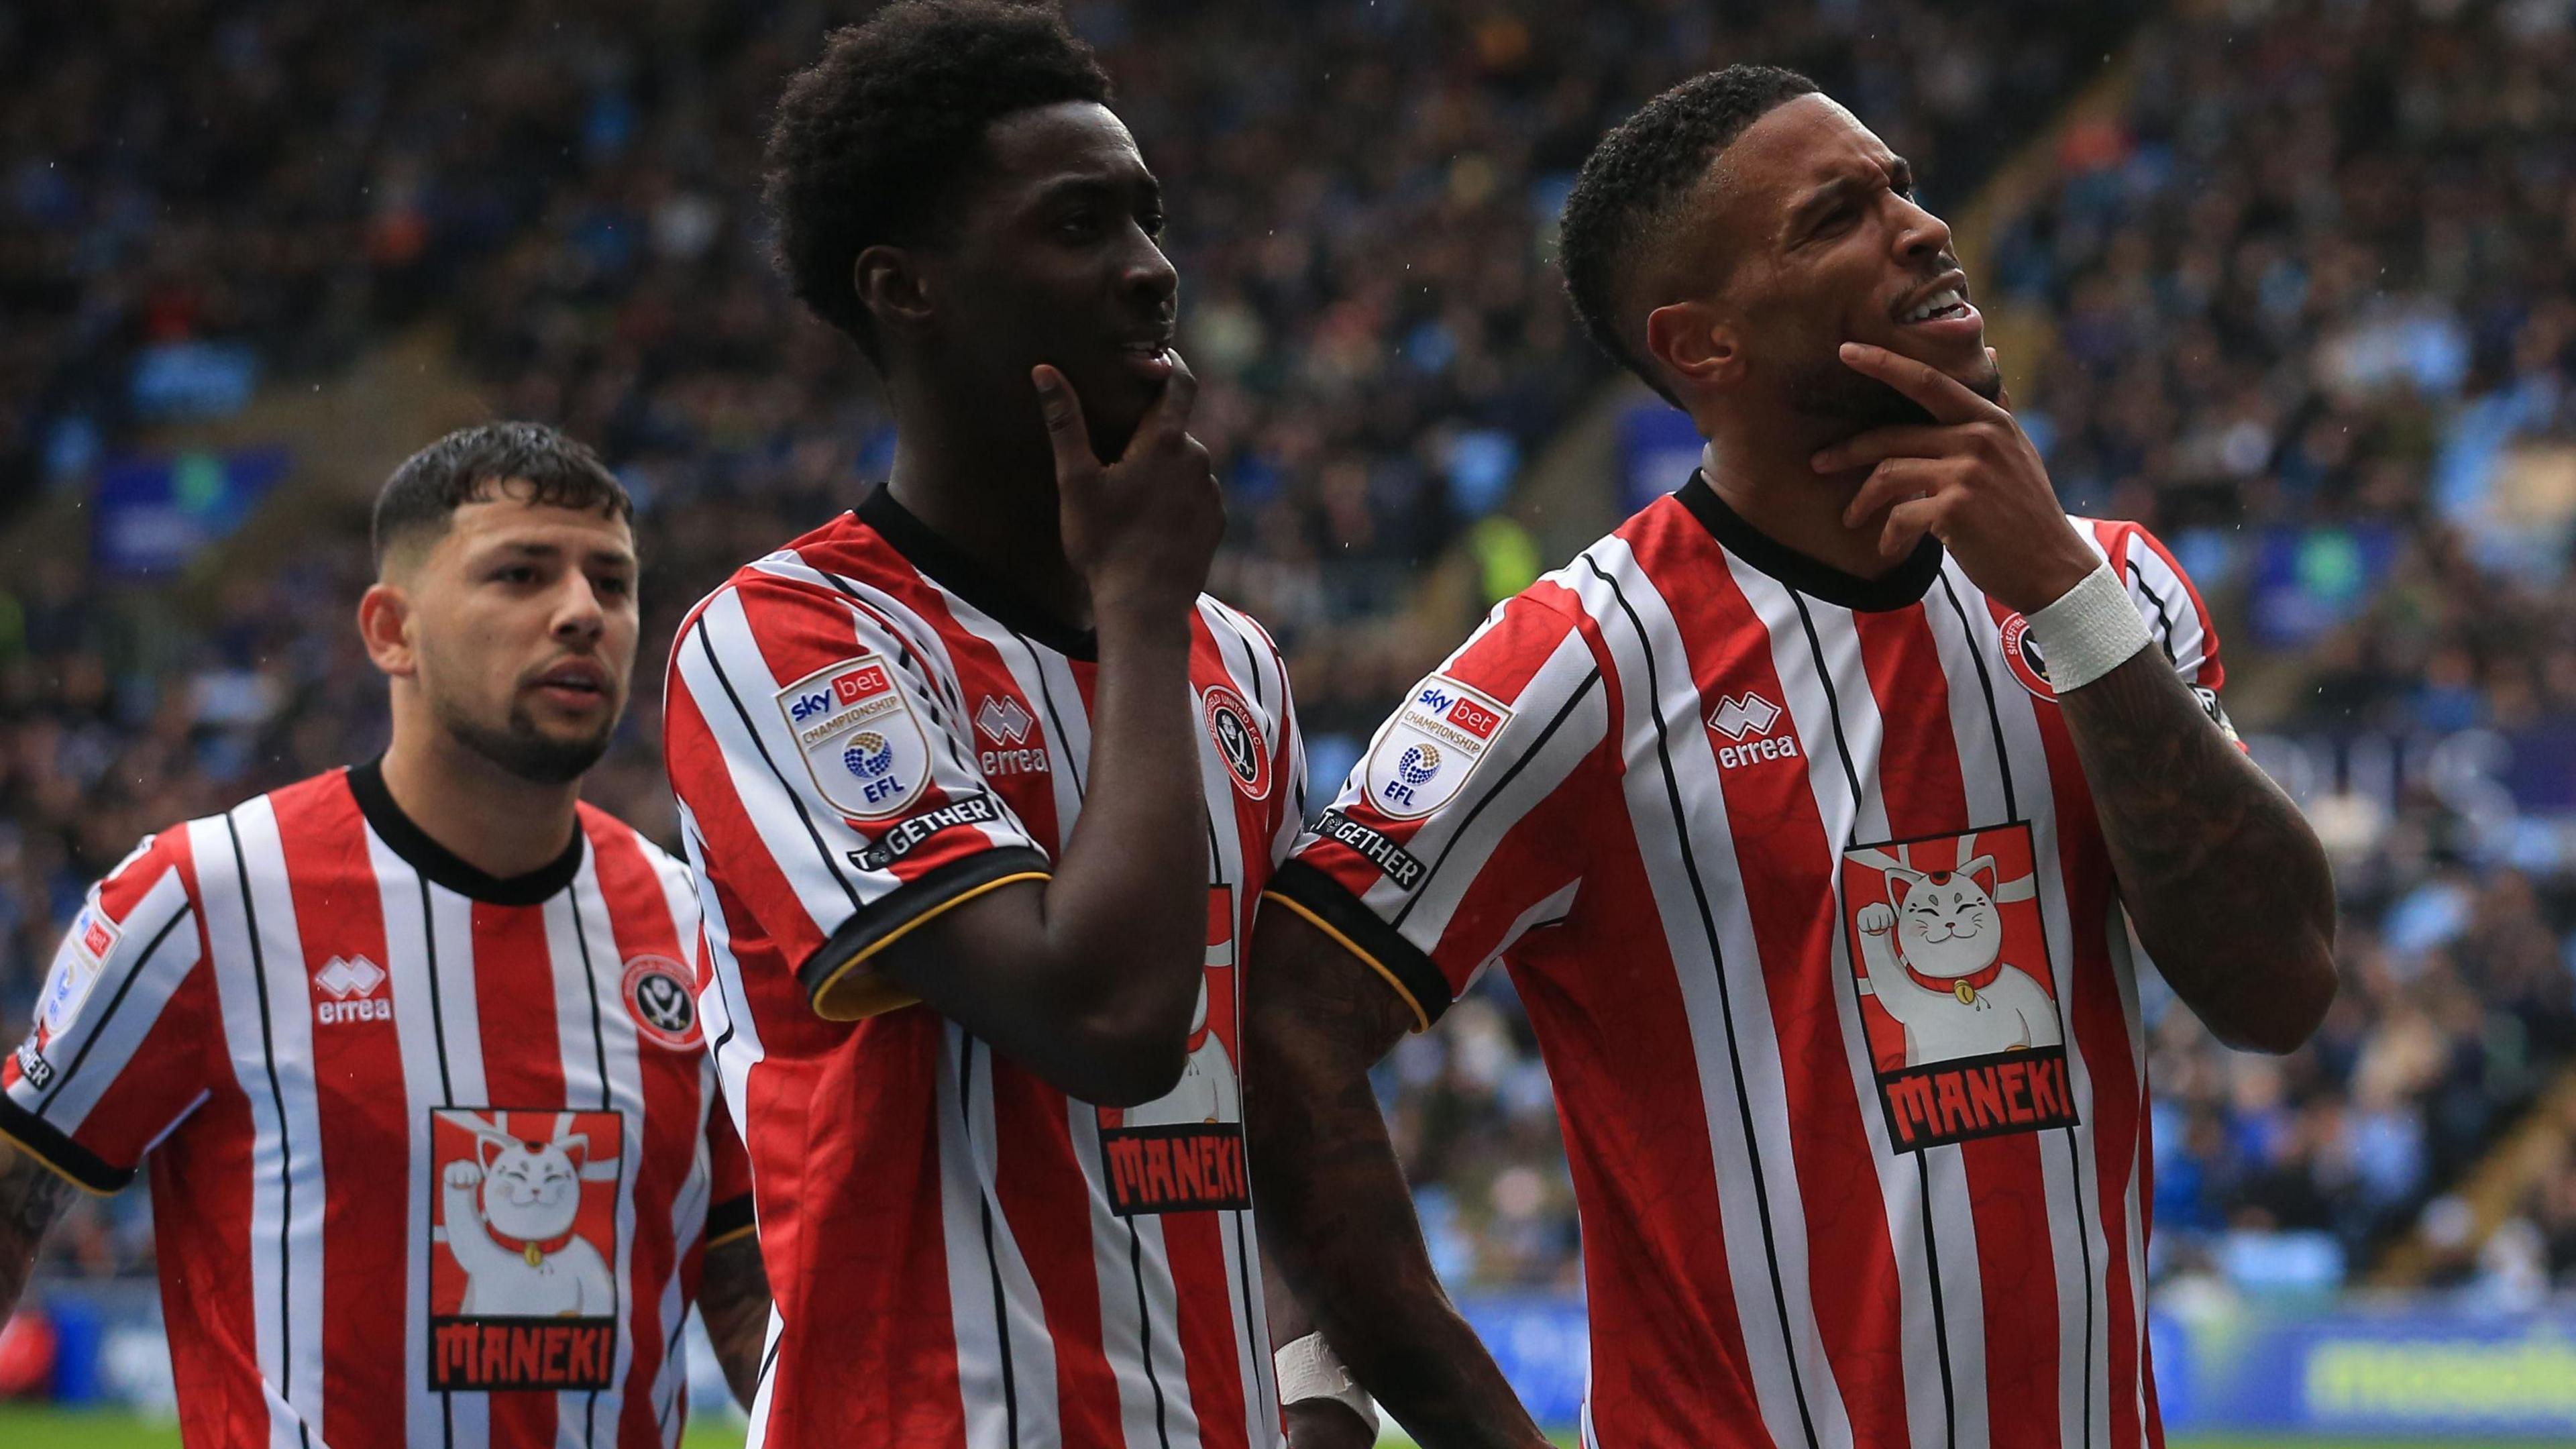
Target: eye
[(1080, 226), (616, 585), (515, 574), (1153, 222)]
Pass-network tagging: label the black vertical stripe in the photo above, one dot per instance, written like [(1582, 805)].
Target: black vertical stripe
[(607, 1103), (446, 1084), (1985, 682), (285, 1138), (1144, 1315), (992, 1255), (1922, 1171), (1074, 760), (1726, 1003), (831, 862)]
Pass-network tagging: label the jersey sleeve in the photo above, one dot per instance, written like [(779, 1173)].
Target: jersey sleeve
[(1468, 822), (830, 784), (2176, 617), (729, 1205), (116, 1057)]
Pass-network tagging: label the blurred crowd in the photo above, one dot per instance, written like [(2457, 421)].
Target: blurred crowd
[(2311, 282)]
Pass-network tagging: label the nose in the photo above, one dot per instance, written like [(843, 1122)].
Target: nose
[(1147, 276), (1920, 236), (579, 616)]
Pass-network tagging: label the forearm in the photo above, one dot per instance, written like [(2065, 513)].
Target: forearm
[(2227, 885), (31, 1200), (733, 1297), (1131, 887), (1336, 1217)]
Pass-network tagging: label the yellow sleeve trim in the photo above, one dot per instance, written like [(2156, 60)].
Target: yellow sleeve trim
[(38, 1158), (745, 1231), (1421, 1018), (868, 998)]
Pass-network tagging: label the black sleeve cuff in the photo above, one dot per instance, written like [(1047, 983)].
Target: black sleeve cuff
[(731, 1219), (1324, 901), (46, 1143), (828, 974)]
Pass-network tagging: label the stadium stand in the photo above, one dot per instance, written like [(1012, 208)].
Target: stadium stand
[(2298, 292)]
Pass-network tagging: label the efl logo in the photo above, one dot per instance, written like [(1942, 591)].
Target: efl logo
[(1423, 757)]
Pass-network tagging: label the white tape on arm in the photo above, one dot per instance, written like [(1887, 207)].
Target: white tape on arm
[(1308, 1369), (2091, 631)]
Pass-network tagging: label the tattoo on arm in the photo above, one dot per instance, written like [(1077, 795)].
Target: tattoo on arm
[(2228, 887), (32, 1199), (733, 1296), (1336, 1216)]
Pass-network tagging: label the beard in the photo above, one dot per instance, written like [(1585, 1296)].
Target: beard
[(1834, 393), (521, 749)]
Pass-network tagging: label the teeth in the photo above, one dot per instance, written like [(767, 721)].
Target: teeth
[(1940, 301)]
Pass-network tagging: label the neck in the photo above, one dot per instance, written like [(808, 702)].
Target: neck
[(1765, 476), (485, 816), (990, 492)]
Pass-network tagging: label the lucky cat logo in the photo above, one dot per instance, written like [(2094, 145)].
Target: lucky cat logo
[(1956, 991), (523, 1227)]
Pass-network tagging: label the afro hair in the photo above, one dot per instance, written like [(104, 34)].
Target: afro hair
[(1637, 174), (871, 140)]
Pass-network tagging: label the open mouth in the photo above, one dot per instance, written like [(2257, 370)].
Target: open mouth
[(1944, 299), (575, 682)]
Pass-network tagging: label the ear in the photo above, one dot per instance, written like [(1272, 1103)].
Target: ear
[(1696, 348), (1982, 871), (384, 623), (1900, 883), (891, 286), (485, 1149), (576, 1147)]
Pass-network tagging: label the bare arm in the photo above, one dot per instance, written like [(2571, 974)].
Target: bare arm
[(1312, 1423), (32, 1200), (2228, 886), (1089, 979), (1336, 1217), (733, 1297)]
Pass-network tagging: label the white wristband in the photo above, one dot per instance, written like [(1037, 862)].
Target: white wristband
[(1308, 1369), (2091, 631)]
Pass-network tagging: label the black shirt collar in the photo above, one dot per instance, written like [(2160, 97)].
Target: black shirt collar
[(949, 567), (1899, 588), (436, 862)]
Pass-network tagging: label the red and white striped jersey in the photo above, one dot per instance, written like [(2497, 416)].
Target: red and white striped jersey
[(865, 729), (1813, 852), (435, 1156)]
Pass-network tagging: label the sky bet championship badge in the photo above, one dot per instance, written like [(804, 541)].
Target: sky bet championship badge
[(1432, 745), (865, 750)]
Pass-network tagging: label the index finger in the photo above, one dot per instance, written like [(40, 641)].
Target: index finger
[(1170, 413), (1066, 431), (1946, 398)]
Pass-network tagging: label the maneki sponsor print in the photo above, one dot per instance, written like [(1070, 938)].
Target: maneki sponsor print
[(1183, 1151), (523, 1222), (1956, 988)]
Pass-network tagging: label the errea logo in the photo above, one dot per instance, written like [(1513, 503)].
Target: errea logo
[(352, 983), (1747, 718)]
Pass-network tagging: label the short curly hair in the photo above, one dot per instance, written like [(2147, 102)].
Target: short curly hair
[(871, 141), (1635, 177), (424, 493)]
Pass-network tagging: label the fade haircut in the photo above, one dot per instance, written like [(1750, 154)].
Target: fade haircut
[(1633, 183), (873, 142), (468, 464)]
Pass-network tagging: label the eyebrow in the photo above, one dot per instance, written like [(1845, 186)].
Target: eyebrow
[(1897, 172), (614, 558), (1139, 184)]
